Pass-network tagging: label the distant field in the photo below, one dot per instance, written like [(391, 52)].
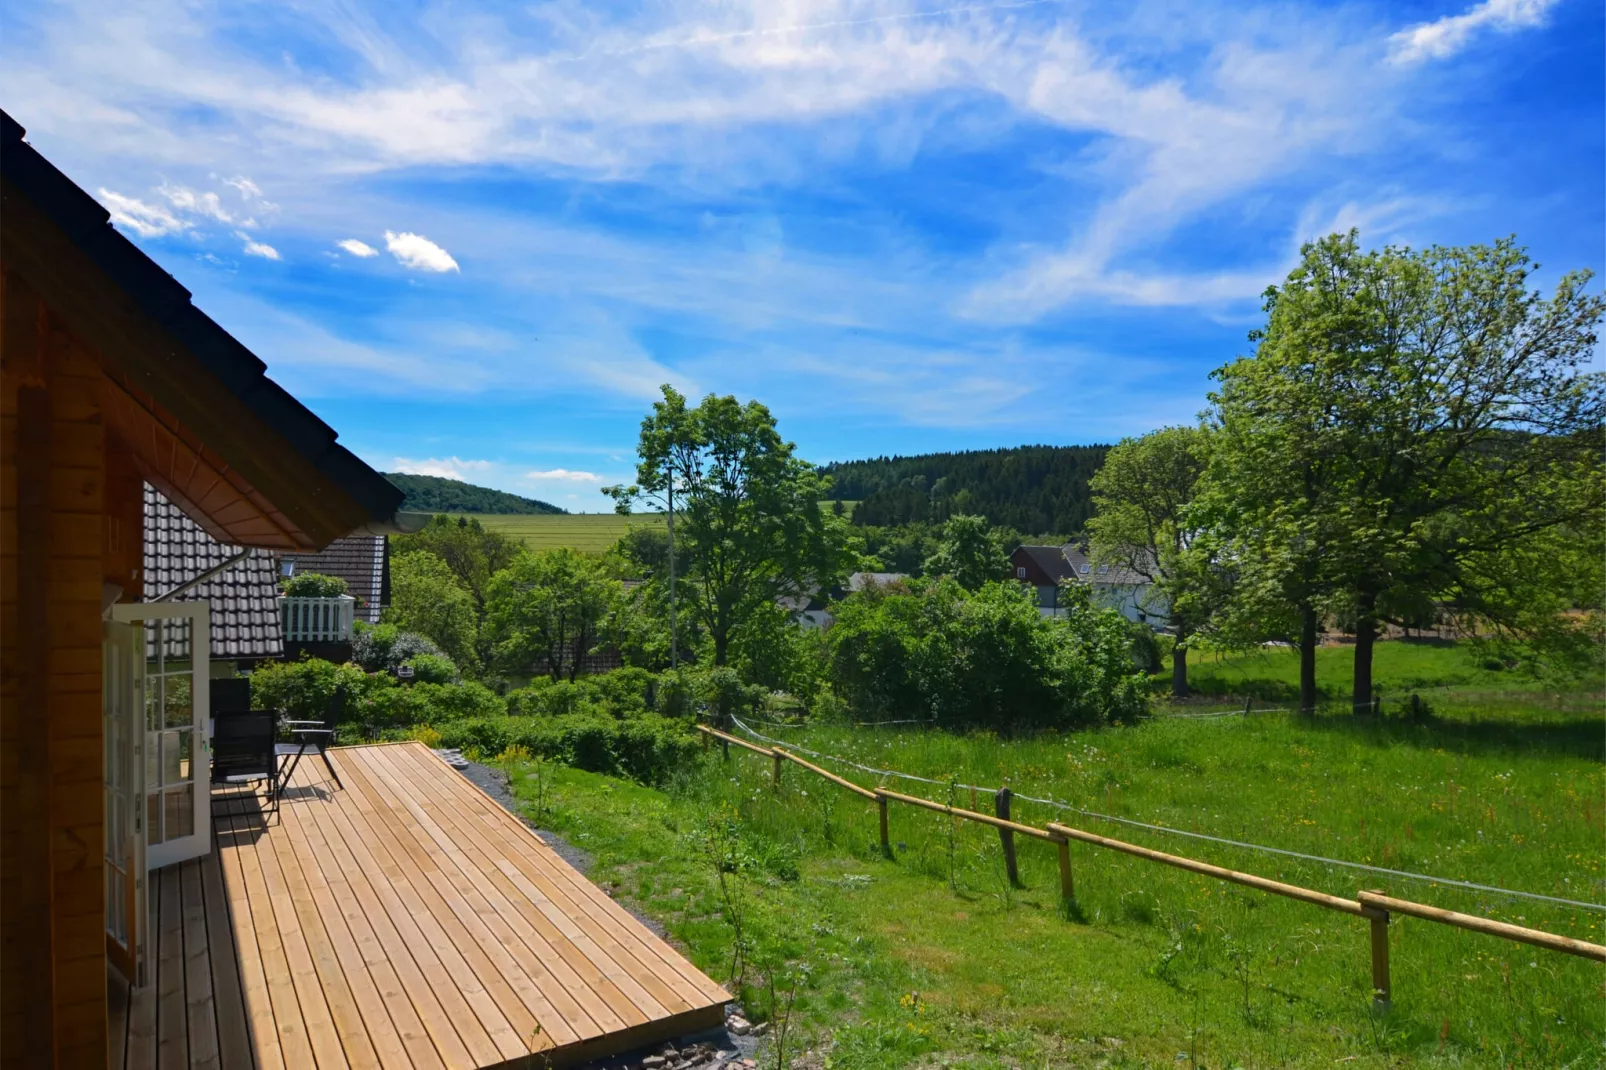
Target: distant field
[(589, 533)]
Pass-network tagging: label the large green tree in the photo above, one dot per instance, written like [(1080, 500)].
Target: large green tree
[(472, 551), (551, 609), (1144, 523), (1411, 428), (748, 527), (426, 597), (970, 553)]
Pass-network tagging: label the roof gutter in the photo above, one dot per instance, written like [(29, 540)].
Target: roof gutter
[(189, 585)]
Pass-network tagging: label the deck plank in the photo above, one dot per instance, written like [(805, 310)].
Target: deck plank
[(117, 996), (617, 939), (365, 913), (200, 1009), (588, 900), (367, 991), (234, 1030), (404, 921), (430, 950), (355, 1024), (507, 1019), (495, 923), (294, 1042), (172, 1031), (265, 1045), (605, 999)]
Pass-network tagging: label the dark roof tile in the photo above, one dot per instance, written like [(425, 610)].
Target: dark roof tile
[(244, 599)]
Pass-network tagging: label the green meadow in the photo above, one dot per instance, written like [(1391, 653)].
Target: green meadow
[(932, 958), (589, 533)]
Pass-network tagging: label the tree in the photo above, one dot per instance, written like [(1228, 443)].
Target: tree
[(426, 597), (472, 551), (933, 651), (970, 553), (552, 608), (1143, 499), (748, 520), (1412, 425)]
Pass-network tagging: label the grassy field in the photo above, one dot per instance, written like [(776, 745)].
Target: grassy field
[(590, 533), (930, 958)]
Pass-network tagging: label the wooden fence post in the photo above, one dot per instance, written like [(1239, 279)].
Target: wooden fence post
[(725, 747), (1381, 993), (1248, 703), (886, 842), (1067, 885), (776, 758), (1001, 808)]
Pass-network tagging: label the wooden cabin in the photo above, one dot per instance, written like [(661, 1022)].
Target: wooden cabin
[(110, 378)]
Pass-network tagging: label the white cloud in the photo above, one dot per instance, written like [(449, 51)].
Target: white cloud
[(146, 220), (444, 467), (357, 248), (256, 248), (248, 189), (1445, 37), (192, 203), (564, 475), (418, 252)]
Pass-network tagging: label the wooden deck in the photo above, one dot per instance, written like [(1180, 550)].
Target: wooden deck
[(406, 920)]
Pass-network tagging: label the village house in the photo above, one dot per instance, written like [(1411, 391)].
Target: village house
[(1048, 569)]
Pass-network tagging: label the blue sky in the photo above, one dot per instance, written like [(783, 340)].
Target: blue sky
[(475, 238)]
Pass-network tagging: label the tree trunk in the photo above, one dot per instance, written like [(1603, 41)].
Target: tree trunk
[(1179, 671), (1307, 660), (1365, 637)]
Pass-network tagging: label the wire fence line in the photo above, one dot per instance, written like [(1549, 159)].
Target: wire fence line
[(1167, 830)]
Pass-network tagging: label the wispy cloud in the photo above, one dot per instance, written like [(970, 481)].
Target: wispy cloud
[(189, 201), (357, 248), (1444, 37), (564, 475), (444, 467), (146, 220), (417, 252), (256, 248)]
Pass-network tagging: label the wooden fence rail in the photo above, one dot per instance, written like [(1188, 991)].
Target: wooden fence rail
[(1375, 907)]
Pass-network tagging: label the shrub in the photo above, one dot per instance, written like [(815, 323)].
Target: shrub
[(987, 658), (646, 748), (313, 585), (305, 689), (385, 647), (432, 668)]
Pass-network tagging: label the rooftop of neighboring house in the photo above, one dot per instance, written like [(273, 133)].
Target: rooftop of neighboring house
[(1045, 566), (245, 620), (363, 561), (1089, 571), (860, 580)]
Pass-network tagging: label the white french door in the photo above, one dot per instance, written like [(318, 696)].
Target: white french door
[(170, 691), (123, 732)]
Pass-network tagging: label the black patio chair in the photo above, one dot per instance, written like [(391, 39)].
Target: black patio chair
[(316, 735), (243, 753)]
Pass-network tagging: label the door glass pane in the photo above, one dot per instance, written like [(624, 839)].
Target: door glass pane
[(180, 818), (153, 701), (176, 646), (174, 755), (176, 701), (153, 818)]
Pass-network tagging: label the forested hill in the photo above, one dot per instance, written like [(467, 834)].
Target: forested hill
[(1037, 490), (433, 494)]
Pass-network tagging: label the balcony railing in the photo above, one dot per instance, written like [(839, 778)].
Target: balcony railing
[(318, 620)]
